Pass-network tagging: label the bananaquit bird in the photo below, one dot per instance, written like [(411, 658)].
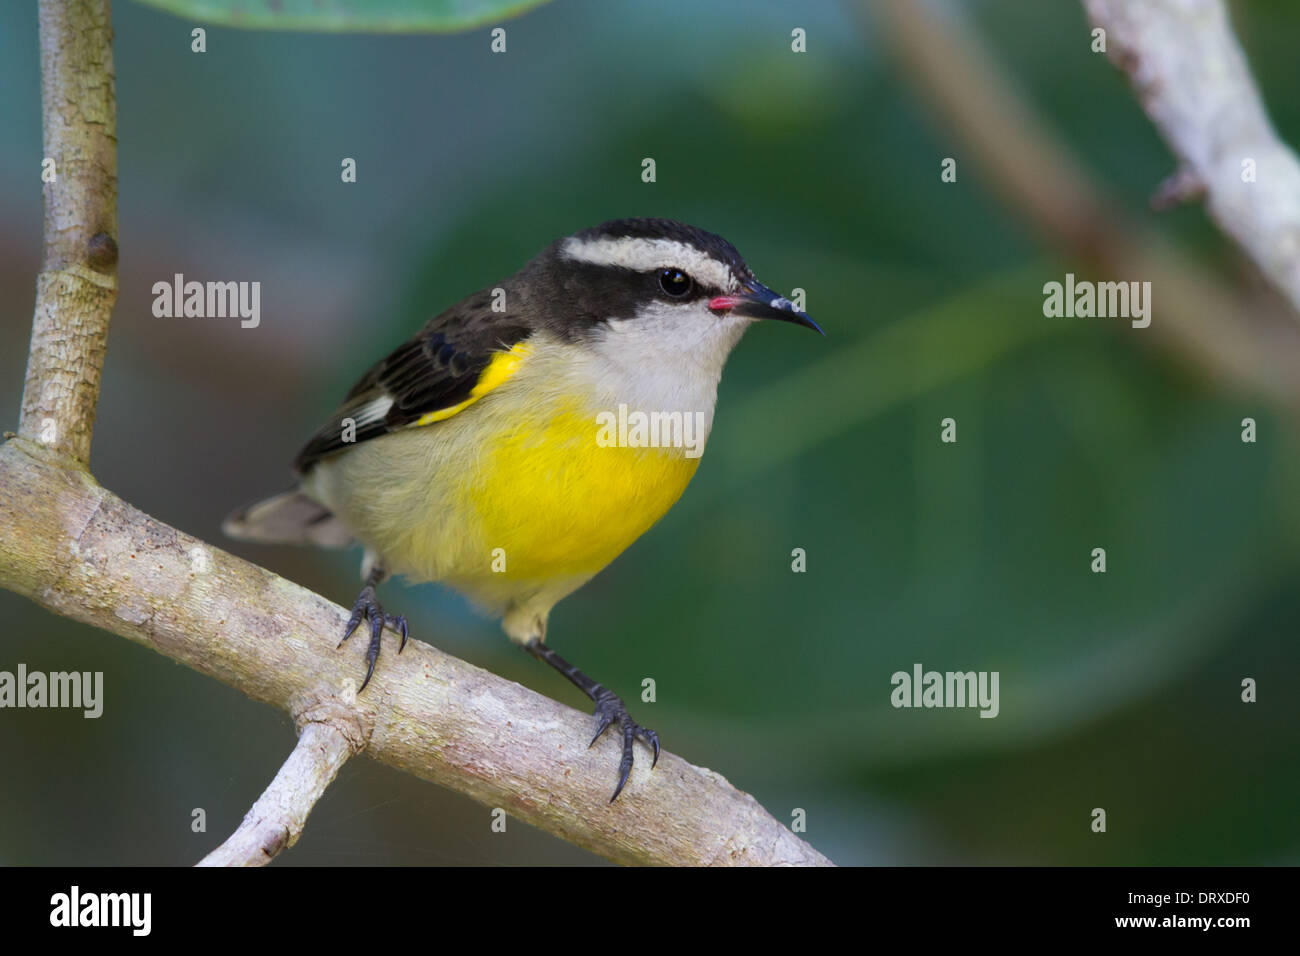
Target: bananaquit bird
[(472, 455)]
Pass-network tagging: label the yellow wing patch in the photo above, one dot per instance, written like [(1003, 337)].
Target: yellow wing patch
[(499, 370)]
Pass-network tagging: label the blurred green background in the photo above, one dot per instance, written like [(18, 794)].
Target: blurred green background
[(1119, 690)]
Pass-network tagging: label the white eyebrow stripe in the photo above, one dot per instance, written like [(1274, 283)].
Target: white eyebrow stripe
[(646, 255)]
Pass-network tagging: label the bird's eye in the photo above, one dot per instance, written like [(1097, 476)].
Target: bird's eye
[(675, 282)]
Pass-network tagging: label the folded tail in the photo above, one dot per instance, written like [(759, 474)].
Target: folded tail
[(289, 518)]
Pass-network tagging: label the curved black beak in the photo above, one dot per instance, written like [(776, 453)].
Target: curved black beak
[(757, 301)]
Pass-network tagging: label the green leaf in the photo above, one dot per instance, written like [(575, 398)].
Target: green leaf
[(348, 16)]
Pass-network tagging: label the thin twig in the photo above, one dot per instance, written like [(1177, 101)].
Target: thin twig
[(330, 735)]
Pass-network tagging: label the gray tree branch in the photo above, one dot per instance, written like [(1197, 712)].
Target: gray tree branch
[(79, 551)]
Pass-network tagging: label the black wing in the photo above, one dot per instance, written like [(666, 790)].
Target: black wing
[(436, 369)]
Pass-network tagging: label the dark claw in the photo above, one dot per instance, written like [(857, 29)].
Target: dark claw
[(358, 612), (625, 762), (610, 709), (367, 606), (652, 738), (372, 652), (603, 726)]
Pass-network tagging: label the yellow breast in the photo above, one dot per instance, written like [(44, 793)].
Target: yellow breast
[(558, 503)]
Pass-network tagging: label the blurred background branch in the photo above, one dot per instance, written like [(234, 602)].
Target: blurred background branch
[(1250, 342), (1191, 77)]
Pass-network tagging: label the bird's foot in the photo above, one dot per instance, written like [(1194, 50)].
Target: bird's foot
[(610, 709), (367, 606)]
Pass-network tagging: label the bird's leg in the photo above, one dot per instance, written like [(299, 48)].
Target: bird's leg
[(610, 709), (367, 605)]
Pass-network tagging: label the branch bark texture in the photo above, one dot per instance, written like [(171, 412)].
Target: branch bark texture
[(77, 286)]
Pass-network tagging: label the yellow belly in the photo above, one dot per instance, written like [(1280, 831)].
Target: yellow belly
[(558, 504)]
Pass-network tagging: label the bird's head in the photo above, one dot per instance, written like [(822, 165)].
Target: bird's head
[(648, 289)]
